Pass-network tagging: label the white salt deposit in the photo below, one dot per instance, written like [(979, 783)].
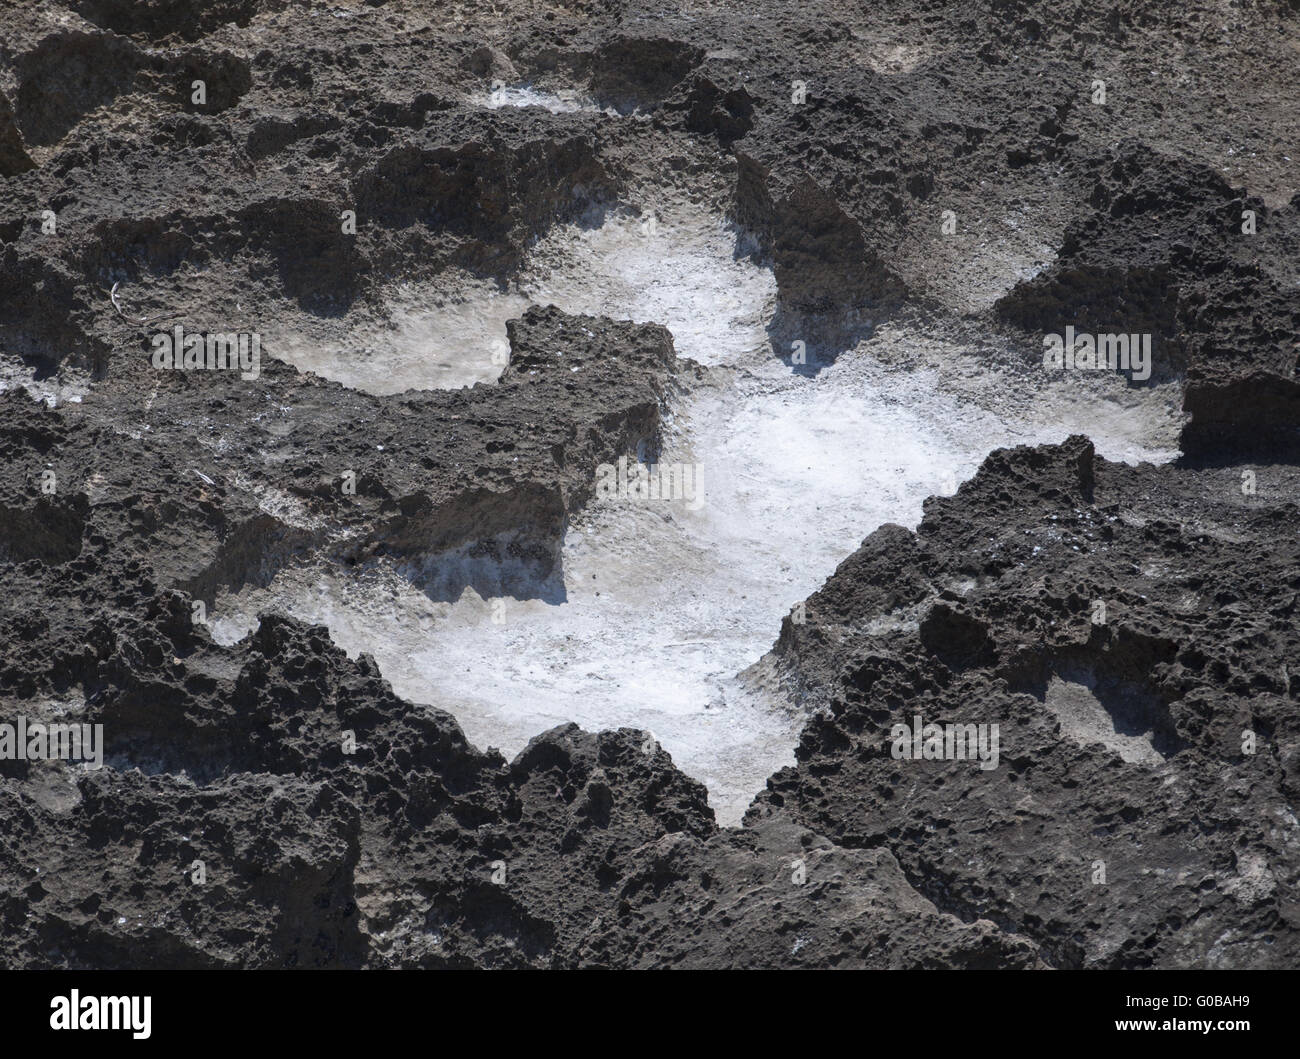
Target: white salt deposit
[(658, 606)]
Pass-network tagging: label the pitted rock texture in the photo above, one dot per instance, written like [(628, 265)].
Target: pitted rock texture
[(1159, 742), (274, 804)]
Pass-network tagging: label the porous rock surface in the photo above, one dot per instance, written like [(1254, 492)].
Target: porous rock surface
[(1127, 824)]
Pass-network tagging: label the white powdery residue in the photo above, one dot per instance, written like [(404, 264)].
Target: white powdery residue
[(564, 102), (430, 341), (660, 604), (678, 268)]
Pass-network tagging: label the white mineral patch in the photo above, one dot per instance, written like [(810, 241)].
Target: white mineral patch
[(659, 606), (65, 387), (674, 267), (428, 340), (566, 101), (680, 270)]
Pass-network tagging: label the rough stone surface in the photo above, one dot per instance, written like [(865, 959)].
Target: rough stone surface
[(1122, 740)]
